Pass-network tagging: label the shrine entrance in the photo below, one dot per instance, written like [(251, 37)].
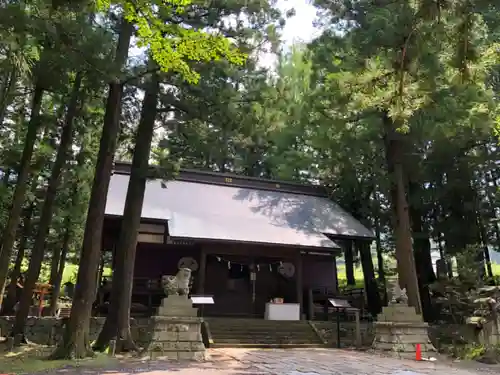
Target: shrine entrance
[(242, 285)]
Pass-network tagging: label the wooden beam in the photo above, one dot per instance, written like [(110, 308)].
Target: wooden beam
[(251, 250)]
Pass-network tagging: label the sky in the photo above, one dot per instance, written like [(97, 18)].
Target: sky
[(298, 28)]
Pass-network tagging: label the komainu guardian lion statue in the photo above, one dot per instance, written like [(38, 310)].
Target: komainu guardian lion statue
[(177, 285), (399, 295)]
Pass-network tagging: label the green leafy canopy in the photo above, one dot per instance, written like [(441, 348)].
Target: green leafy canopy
[(171, 44)]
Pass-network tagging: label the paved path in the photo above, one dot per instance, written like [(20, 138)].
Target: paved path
[(290, 362)]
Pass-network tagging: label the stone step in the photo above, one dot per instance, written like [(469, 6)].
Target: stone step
[(264, 339), (243, 330), (275, 327), (304, 340), (269, 323), (237, 321), (257, 333), (268, 341), (247, 332), (265, 345)]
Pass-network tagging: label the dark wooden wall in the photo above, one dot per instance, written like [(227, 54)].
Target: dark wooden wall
[(233, 295)]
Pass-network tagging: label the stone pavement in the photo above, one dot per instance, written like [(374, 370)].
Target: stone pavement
[(289, 362)]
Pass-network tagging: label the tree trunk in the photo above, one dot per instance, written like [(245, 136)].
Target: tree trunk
[(9, 234), (491, 199), (484, 241), (54, 262), (349, 263), (402, 231), (57, 278), (38, 251), (11, 299), (371, 286), (5, 99), (118, 319), (68, 231), (378, 242), (423, 258), (380, 259), (75, 343)]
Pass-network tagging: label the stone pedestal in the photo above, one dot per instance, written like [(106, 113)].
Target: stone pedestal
[(397, 331), (176, 331)]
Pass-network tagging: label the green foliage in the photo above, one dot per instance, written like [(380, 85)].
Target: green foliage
[(316, 117), (160, 28)]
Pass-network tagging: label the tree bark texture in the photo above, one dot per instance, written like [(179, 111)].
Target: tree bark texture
[(402, 230), (349, 262), (38, 251), (380, 260), (422, 253), (75, 343), (23, 171), (6, 91), (10, 301), (56, 281), (117, 323), (371, 286)]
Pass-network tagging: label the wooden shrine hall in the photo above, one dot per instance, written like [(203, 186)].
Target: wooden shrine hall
[(247, 240)]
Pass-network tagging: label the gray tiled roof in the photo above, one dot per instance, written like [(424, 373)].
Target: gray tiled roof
[(215, 212)]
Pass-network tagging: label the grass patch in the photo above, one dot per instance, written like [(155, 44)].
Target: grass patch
[(358, 273), (33, 358), (71, 271), (358, 276), (495, 267)]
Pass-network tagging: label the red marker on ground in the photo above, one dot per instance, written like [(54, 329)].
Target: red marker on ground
[(418, 352)]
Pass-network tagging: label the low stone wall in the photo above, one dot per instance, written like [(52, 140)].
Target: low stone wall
[(441, 335), (328, 332), (49, 330)]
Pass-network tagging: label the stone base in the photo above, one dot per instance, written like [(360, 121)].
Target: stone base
[(399, 329), (177, 306), (176, 331)]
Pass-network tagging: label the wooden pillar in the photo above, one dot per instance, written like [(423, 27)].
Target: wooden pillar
[(200, 288), (299, 283)]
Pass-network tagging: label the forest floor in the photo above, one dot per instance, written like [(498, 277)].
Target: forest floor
[(31, 359), (257, 362)]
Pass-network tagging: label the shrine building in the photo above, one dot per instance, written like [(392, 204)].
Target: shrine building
[(247, 240)]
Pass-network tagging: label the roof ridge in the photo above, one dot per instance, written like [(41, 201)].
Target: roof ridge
[(235, 180)]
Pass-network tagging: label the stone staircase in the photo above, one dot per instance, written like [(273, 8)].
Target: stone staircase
[(259, 333)]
